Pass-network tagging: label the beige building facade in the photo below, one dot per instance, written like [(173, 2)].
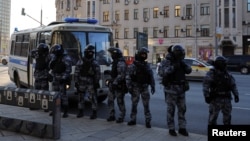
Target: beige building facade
[(205, 28)]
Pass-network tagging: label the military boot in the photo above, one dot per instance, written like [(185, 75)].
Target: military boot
[(148, 125), (80, 114), (94, 115), (65, 112)]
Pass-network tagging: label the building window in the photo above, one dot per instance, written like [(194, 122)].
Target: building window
[(106, 1), (88, 9), (78, 3), (205, 10), (165, 31), (117, 1), (155, 32), (68, 4), (126, 15), (204, 30), (248, 5), (117, 15), (145, 13), (145, 30), (177, 11), (61, 5), (234, 17), (125, 33), (93, 9), (135, 14), (176, 31), (135, 32), (105, 16), (226, 3), (116, 34), (188, 31), (226, 17), (233, 3), (155, 12), (189, 10), (166, 11)]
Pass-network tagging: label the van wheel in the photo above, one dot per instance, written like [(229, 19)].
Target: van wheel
[(244, 70), (17, 82), (4, 62)]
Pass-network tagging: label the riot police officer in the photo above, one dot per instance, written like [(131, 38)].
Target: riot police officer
[(217, 87), (41, 73), (173, 70), (61, 66), (117, 84), (87, 76), (139, 77)]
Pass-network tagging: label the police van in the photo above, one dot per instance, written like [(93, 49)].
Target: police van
[(73, 34)]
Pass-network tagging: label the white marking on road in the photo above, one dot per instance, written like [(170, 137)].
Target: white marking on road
[(241, 108)]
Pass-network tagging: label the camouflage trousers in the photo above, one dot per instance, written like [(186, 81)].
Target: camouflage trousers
[(41, 84), (142, 92), (220, 104), (87, 91), (172, 101), (57, 86), (119, 96)]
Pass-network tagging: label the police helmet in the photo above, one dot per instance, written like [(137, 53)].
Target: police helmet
[(43, 48), (178, 52), (57, 49), (142, 54), (220, 63), (115, 52), (89, 51)]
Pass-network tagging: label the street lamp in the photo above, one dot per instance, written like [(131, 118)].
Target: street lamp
[(25, 14)]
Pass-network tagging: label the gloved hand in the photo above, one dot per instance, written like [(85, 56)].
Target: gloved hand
[(208, 100), (236, 99), (77, 85), (152, 90)]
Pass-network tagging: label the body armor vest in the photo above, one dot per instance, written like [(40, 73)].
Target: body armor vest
[(142, 74), (221, 83), (41, 63), (87, 69), (59, 66)]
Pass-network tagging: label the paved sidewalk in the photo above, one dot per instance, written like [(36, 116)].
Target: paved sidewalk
[(74, 129)]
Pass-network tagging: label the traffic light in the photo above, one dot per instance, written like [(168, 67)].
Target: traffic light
[(23, 12)]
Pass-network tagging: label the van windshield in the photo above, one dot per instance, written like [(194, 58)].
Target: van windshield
[(75, 42)]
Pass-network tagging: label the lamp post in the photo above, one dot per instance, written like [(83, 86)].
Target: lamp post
[(25, 14)]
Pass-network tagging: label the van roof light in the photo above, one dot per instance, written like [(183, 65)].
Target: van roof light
[(81, 20)]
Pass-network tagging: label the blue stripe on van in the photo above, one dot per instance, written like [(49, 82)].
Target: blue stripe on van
[(18, 61)]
